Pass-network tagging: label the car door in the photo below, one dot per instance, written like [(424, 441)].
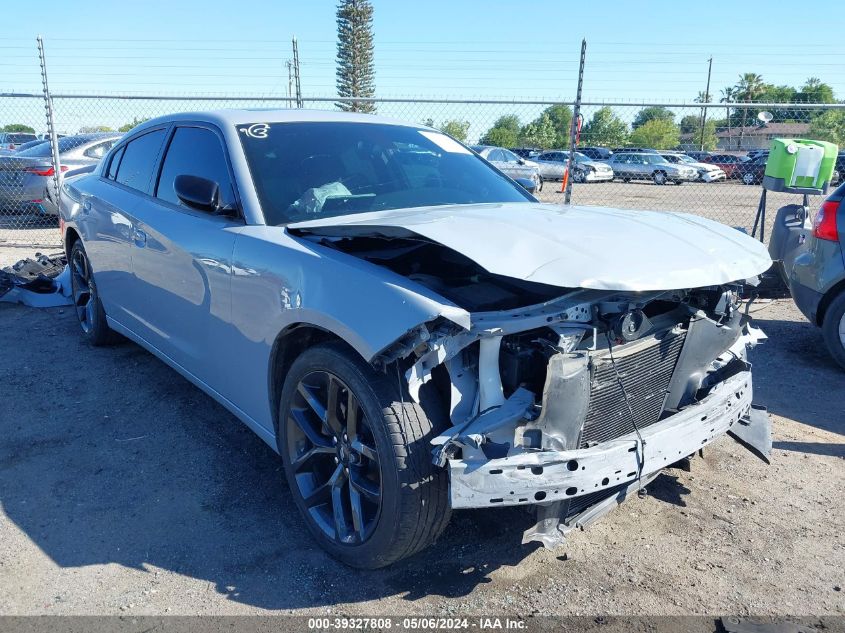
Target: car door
[(106, 221), (181, 256), (497, 158), (515, 167), (548, 168)]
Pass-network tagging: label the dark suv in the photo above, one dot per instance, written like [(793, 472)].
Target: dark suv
[(810, 255), (596, 153)]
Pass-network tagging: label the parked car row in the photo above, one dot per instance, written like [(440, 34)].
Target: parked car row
[(600, 164), (25, 176)]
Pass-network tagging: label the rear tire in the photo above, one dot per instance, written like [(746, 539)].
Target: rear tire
[(659, 177), (833, 329), (86, 299), (748, 178), (391, 501)]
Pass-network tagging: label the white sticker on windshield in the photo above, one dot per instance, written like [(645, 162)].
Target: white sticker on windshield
[(445, 143), (256, 130)]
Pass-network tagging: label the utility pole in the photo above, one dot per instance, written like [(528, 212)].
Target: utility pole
[(51, 122), (706, 98), (289, 64), (296, 74), (573, 125)]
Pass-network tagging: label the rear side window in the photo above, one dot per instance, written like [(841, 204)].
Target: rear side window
[(139, 160), (115, 163), (195, 151)]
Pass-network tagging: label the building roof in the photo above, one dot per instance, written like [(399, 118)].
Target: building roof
[(771, 129)]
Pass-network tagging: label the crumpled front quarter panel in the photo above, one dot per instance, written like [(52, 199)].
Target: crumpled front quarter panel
[(279, 281)]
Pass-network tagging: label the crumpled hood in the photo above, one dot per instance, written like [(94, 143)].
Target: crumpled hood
[(572, 246)]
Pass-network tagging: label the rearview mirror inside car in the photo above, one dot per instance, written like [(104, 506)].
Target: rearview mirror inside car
[(197, 193)]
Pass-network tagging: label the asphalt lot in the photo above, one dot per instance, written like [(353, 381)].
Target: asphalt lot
[(125, 490)]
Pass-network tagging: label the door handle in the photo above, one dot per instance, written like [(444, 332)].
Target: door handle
[(139, 237)]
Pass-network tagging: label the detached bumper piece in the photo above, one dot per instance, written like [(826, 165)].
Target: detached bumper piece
[(544, 476), (43, 282)]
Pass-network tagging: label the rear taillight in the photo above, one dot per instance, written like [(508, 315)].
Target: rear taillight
[(824, 224), (49, 171)]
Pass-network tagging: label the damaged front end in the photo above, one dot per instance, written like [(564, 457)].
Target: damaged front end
[(567, 396), (572, 404)]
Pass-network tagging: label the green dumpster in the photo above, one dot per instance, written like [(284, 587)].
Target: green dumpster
[(798, 165)]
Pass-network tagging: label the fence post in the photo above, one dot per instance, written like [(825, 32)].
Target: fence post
[(573, 126), (51, 125)]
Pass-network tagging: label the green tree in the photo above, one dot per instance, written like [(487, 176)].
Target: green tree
[(17, 127), (561, 118), (814, 91), (134, 122), (748, 89), (709, 136), (504, 133), (657, 133), (541, 132), (605, 129), (829, 126), (355, 69), (690, 123), (652, 113), (456, 129)]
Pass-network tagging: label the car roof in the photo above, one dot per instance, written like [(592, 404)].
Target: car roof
[(229, 117)]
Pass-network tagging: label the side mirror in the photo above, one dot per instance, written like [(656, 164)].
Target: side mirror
[(197, 193), (521, 161), (526, 183)]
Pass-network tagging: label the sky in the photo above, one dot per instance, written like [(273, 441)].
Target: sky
[(636, 52)]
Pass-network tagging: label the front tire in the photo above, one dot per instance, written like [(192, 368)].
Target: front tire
[(357, 459), (833, 329), (659, 178), (748, 178), (86, 299)]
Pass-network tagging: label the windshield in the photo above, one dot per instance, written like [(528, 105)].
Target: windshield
[(653, 159), (312, 170), (684, 158)]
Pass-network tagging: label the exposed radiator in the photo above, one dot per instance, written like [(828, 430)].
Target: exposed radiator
[(645, 368)]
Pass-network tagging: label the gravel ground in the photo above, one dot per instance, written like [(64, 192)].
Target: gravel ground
[(125, 490)]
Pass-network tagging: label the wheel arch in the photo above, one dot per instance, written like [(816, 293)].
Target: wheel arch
[(71, 237), (827, 299), (290, 343)]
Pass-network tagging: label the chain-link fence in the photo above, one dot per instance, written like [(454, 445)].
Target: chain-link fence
[(698, 159)]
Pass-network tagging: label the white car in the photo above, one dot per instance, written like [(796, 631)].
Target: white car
[(509, 163), (706, 171), (553, 166)]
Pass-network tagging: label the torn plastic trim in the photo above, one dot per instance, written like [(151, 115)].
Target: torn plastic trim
[(551, 531), (545, 476)]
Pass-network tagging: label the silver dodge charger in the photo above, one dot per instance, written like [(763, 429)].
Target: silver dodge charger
[(408, 328)]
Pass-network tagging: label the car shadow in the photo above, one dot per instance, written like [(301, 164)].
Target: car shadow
[(814, 448), (667, 488), (118, 459), (799, 358)]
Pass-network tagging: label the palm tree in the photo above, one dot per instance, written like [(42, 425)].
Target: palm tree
[(749, 87), (728, 96)]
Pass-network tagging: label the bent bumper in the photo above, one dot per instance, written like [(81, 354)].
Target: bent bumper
[(546, 476)]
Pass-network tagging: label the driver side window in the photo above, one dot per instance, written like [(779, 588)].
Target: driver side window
[(195, 151)]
